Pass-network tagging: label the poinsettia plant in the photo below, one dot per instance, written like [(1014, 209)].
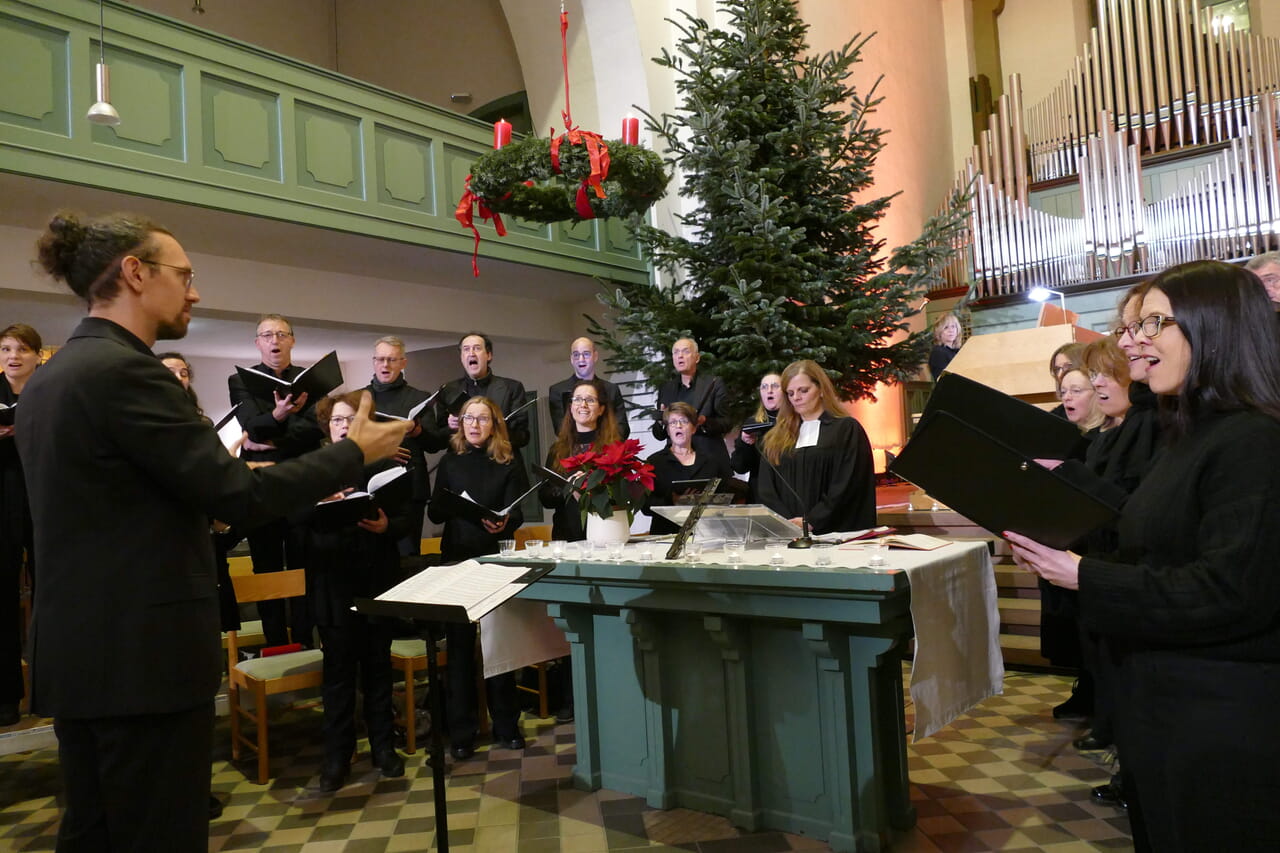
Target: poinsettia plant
[(612, 477)]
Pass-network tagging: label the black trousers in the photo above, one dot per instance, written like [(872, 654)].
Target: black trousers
[(136, 784), (11, 687), (462, 707), (1199, 748), (358, 652), (269, 545)]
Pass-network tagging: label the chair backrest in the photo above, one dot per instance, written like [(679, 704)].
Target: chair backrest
[(270, 585), (532, 531), (430, 546), (241, 565)]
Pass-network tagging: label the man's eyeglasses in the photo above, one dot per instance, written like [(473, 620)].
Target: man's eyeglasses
[(476, 419), (387, 359), (583, 401), (278, 336), (188, 274), (1149, 326), (577, 355), (342, 419)]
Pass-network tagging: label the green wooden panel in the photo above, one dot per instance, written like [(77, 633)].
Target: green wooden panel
[(537, 230), (33, 88), (617, 239), (330, 155), (406, 176), (578, 234), (147, 92), (241, 128)]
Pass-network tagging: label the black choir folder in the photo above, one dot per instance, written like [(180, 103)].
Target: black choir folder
[(316, 381), (1025, 428), (986, 475)]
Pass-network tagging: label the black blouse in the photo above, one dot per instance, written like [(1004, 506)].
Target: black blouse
[(493, 484), (667, 469), (835, 479), (566, 519)]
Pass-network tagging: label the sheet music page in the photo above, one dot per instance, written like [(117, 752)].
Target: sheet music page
[(478, 587)]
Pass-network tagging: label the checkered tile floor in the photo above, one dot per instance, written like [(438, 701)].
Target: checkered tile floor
[(1004, 777)]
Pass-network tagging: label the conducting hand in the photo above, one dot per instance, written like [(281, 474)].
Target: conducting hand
[(375, 440), (1060, 568)]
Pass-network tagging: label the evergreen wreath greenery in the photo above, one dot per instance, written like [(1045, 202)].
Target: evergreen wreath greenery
[(637, 178)]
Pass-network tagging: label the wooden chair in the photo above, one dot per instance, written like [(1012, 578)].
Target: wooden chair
[(541, 691), (534, 531), (409, 656), (263, 677)]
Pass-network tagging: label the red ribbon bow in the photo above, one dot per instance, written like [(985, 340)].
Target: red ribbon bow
[(597, 153), (465, 214)]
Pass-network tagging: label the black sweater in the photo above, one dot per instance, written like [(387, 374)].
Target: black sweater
[(493, 484), (1195, 570)]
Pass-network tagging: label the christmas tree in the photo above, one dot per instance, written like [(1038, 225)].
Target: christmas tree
[(781, 261)]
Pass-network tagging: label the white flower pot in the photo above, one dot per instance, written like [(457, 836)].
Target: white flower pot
[(603, 531)]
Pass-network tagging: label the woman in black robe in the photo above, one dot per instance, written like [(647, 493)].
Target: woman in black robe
[(819, 452), (745, 458)]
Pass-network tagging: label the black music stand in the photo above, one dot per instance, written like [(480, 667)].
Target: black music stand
[(425, 611)]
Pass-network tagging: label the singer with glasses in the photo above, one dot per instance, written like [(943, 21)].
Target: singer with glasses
[(481, 462), (1189, 601), (746, 449), (589, 423), (816, 463), (682, 459)]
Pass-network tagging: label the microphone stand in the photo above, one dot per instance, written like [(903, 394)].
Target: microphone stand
[(805, 541)]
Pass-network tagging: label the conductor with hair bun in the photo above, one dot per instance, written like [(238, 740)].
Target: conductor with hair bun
[(123, 477)]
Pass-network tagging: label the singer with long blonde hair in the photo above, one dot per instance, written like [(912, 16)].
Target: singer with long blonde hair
[(816, 462)]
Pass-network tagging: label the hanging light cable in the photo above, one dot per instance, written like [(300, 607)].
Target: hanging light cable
[(102, 112)]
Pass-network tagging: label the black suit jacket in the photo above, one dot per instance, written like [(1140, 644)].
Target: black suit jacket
[(560, 393), (706, 395), (123, 477)]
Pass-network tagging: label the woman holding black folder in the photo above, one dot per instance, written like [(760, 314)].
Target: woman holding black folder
[(1189, 603), (480, 462), (588, 423), (346, 560), (817, 464), (745, 458)]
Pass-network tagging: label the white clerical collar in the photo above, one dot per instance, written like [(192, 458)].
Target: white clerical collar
[(808, 436)]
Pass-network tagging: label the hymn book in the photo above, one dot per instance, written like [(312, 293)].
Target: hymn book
[(463, 505), (413, 413), (8, 413), (354, 506)]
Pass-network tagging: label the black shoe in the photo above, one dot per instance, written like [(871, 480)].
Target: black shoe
[(462, 751), (1110, 794), (215, 807), (565, 715), (1074, 708), (389, 762), (9, 714), (1091, 742), (516, 742), (333, 777)]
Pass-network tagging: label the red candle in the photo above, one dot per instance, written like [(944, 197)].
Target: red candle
[(631, 131), (501, 133)]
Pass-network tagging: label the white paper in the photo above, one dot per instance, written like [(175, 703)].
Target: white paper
[(477, 587)]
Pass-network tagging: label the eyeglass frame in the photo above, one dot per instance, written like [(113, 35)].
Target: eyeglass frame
[(476, 419), (1158, 320), (342, 419), (188, 273), (580, 400), (277, 335)]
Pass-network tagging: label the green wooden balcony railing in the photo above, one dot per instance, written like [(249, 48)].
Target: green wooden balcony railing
[(214, 122)]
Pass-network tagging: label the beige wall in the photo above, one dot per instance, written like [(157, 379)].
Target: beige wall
[(426, 49), (1040, 40)]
